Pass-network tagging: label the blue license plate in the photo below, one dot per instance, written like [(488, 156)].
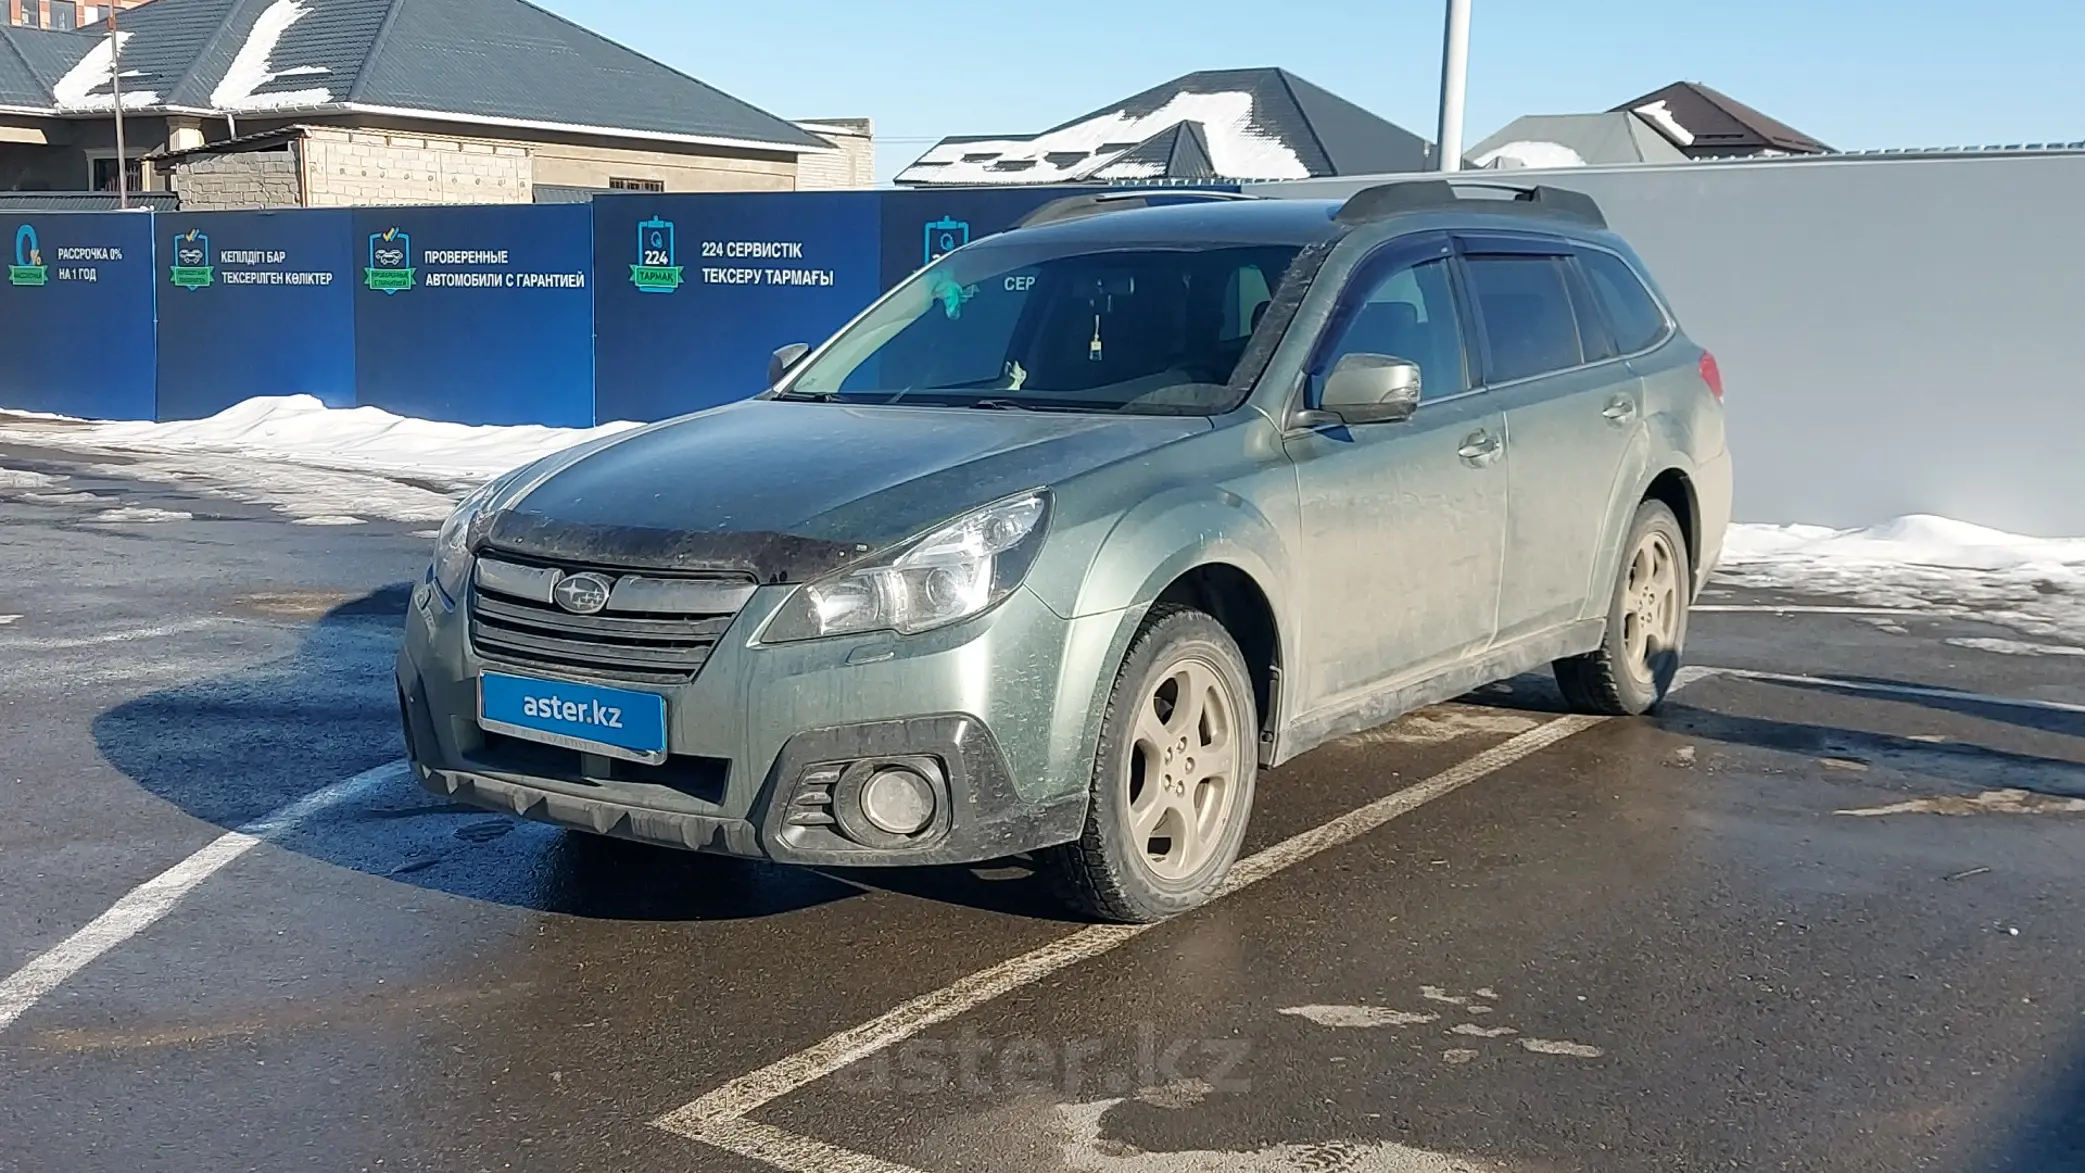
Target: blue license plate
[(614, 722)]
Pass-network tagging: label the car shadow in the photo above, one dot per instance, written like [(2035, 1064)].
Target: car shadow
[(2049, 1136), (230, 749), (1015, 886), (2067, 722), (1960, 766)]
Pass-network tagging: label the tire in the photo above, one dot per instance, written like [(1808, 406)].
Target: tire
[(1170, 769), (1640, 653)]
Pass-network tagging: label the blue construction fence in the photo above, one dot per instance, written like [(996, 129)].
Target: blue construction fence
[(636, 307)]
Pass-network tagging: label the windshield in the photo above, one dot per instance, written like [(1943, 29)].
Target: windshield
[(1152, 330)]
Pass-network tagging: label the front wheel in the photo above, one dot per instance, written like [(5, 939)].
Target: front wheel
[(1173, 776), (1639, 656)]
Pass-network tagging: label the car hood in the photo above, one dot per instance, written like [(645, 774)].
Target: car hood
[(785, 491)]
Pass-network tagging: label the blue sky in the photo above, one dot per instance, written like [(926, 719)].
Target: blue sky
[(1855, 73)]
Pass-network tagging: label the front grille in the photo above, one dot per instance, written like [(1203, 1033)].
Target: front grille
[(655, 629)]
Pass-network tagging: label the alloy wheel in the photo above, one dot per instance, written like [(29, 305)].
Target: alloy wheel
[(1184, 768), (1651, 605)]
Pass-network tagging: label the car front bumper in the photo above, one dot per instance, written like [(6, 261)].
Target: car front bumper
[(1001, 712)]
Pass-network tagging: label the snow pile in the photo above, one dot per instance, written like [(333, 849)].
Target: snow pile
[(2032, 585), (21, 478), (320, 465), (301, 429)]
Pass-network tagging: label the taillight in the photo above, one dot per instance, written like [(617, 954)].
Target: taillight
[(1712, 374)]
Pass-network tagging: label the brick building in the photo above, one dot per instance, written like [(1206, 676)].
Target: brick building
[(62, 15), (271, 103)]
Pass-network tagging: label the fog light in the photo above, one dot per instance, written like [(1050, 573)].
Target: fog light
[(898, 801)]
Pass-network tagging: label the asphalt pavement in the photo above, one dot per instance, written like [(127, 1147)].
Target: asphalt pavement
[(1822, 912)]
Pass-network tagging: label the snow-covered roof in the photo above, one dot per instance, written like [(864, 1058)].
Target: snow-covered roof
[(1236, 124), (498, 62), (1574, 140), (1703, 122)]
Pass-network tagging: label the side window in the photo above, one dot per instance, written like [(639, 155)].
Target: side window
[(1525, 302), (1631, 311), (1409, 314)]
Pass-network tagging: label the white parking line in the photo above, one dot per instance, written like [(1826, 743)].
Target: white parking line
[(1888, 689), (122, 635), (1798, 609), (718, 1116), (151, 901)]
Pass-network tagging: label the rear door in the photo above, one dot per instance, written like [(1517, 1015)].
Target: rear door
[(1572, 408), (1402, 523)]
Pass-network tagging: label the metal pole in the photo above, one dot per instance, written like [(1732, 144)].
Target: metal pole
[(1455, 68), (116, 89)]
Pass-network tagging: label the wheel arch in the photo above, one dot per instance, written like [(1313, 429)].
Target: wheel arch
[(1676, 490), (1239, 604), (1212, 550)]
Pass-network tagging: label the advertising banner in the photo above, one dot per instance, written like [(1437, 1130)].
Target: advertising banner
[(480, 315), (696, 291), (76, 315), (918, 227), (254, 303)]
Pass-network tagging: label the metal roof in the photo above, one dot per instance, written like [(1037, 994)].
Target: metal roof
[(1701, 121), (495, 62), (14, 202), (1247, 124), (1570, 140)]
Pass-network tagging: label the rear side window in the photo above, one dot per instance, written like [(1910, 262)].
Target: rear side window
[(1525, 303), (1632, 313)]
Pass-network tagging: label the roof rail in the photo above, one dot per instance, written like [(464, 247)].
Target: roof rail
[(1425, 195), (1097, 203)]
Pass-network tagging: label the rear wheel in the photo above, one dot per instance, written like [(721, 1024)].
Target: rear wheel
[(1639, 656), (1172, 779)]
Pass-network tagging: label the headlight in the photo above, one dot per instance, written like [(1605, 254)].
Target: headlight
[(452, 546), (958, 570)]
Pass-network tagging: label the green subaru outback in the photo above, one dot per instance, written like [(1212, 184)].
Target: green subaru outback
[(1059, 542)]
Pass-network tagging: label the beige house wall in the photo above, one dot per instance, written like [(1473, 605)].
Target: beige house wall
[(343, 166), (594, 165), (852, 166), (367, 167)]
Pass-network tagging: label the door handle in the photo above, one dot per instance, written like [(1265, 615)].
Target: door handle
[(1621, 409), (1480, 448)]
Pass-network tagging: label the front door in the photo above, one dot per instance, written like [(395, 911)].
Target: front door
[(1402, 524)]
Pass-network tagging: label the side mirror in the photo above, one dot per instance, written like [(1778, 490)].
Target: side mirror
[(1371, 389), (778, 364)]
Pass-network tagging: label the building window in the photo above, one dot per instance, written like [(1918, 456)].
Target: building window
[(636, 185), (32, 14), (64, 17), (105, 174)]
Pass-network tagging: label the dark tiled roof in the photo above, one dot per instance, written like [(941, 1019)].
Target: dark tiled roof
[(495, 61), (31, 62), (1180, 151), (1701, 121), (1249, 123)]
